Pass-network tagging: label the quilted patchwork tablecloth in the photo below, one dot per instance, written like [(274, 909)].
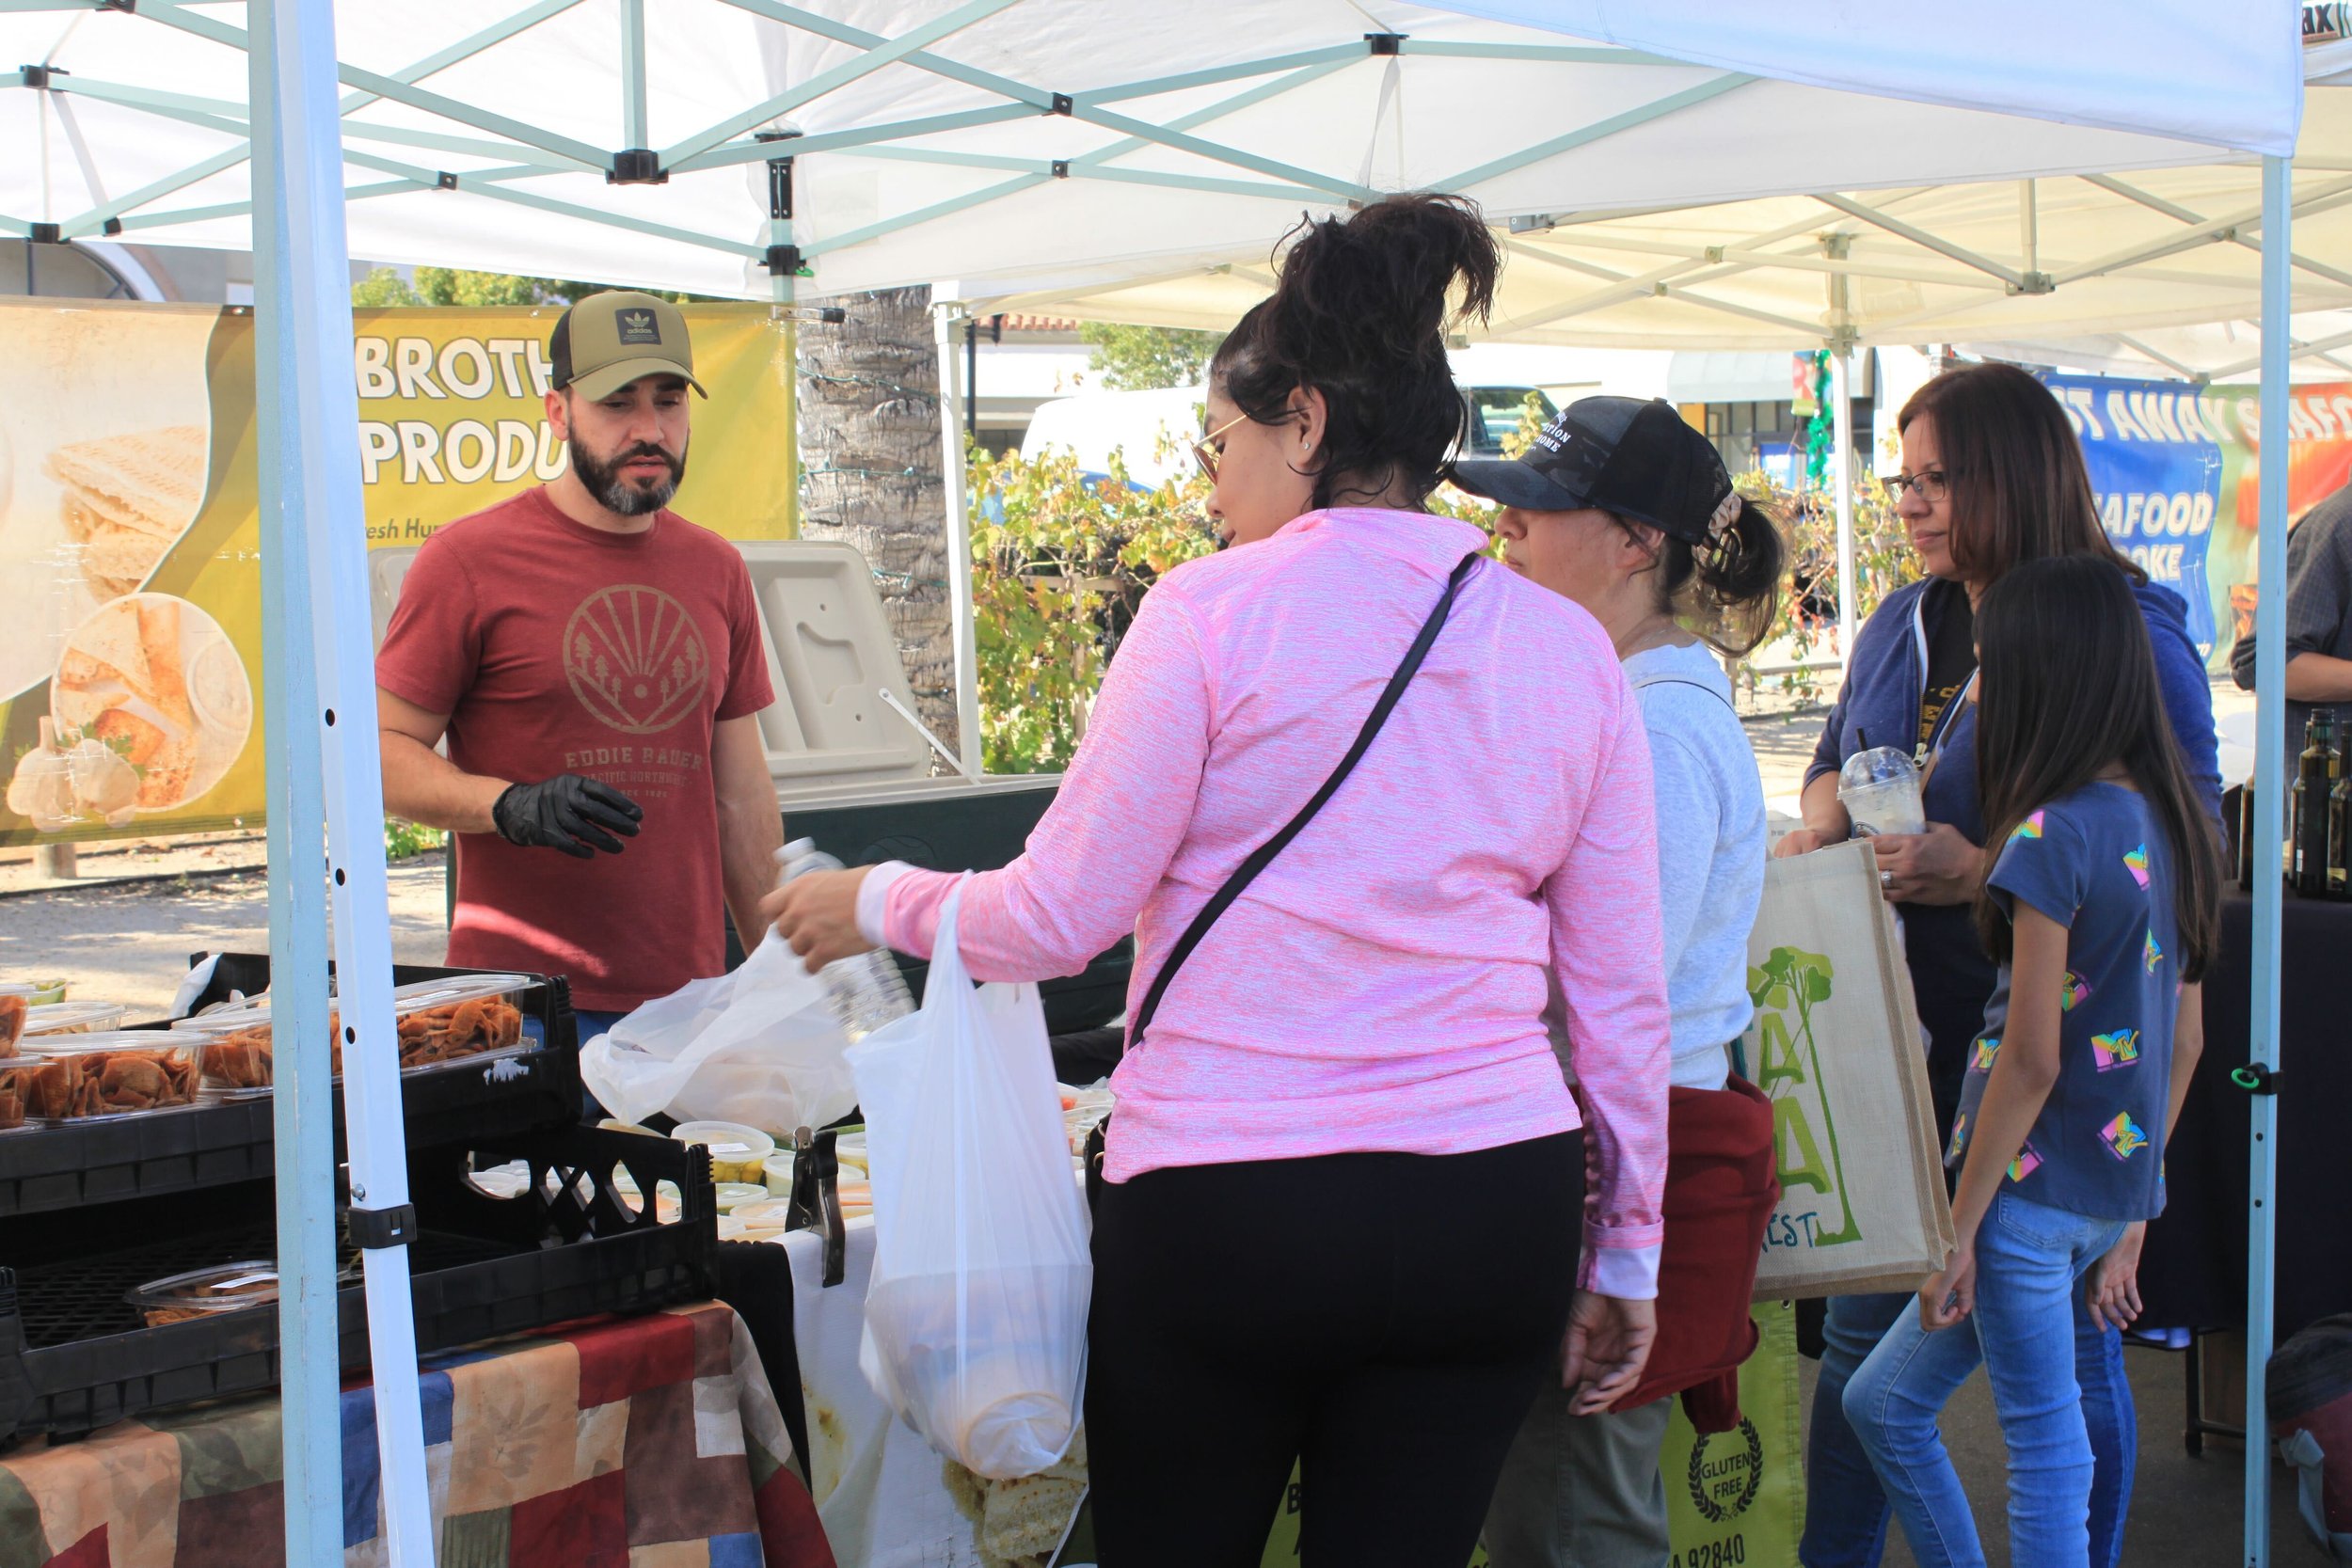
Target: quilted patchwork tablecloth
[(651, 1442)]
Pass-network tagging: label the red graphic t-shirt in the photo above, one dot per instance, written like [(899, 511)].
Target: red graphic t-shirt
[(559, 648)]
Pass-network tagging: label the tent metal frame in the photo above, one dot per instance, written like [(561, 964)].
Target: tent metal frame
[(323, 787)]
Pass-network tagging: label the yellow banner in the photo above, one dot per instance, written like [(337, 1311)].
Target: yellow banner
[(130, 575)]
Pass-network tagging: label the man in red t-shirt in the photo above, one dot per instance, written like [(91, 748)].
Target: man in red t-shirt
[(596, 665)]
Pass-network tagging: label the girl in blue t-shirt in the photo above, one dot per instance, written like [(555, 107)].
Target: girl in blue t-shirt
[(2101, 902)]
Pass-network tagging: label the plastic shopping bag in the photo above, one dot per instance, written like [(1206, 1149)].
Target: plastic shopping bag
[(759, 1046), (975, 1317)]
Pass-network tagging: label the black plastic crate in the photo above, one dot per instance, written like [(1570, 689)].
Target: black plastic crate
[(71, 1165), (74, 1356)]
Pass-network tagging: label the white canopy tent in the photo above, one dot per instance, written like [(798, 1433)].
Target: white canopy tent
[(1073, 147)]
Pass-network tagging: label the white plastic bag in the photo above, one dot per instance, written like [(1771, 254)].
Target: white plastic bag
[(759, 1046), (976, 1318)]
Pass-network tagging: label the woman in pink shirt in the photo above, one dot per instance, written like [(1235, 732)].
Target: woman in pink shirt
[(1346, 1219)]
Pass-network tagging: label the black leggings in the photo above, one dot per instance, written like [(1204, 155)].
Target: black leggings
[(1383, 1319)]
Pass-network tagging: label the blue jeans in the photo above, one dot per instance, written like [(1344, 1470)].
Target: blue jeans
[(2031, 1330), (1846, 1513)]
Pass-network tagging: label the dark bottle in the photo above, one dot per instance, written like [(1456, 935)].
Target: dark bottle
[(2340, 836), (2315, 776)]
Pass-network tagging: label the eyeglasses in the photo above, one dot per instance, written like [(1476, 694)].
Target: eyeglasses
[(1207, 455), (1927, 485)]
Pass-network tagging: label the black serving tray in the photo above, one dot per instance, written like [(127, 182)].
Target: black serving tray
[(74, 1356), (69, 1166)]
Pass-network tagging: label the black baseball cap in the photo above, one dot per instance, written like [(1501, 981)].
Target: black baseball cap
[(1639, 460)]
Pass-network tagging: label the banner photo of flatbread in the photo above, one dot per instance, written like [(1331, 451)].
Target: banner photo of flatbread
[(124, 499), (154, 681), (106, 453)]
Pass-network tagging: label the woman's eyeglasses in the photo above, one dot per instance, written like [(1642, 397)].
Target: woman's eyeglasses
[(1927, 485), (1206, 454)]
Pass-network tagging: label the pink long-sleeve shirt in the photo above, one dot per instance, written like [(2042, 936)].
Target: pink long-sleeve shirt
[(1381, 987)]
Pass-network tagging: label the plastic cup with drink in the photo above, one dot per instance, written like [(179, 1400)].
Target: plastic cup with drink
[(1880, 790)]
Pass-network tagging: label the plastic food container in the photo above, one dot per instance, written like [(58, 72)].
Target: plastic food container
[(778, 1168), (203, 1293), (757, 1222), (113, 1074), (37, 993), (737, 1153), (442, 1022), (73, 1017), (850, 1149), (735, 1194)]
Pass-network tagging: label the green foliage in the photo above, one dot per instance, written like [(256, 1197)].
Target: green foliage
[(405, 840), (1807, 621), (1137, 358), (1059, 567), (455, 286)]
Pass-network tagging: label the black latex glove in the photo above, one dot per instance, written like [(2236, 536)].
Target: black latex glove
[(568, 812)]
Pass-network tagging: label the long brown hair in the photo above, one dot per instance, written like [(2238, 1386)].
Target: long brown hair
[(2067, 686), (2019, 491)]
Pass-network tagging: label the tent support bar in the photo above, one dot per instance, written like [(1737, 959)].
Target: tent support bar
[(1920, 237), (1037, 99), (2172, 210), (2029, 227), (633, 132), (175, 14), (1152, 87), (1218, 110), (326, 788), (1217, 152), (925, 214), (466, 48), (245, 208), (1714, 86), (1841, 434), (2211, 232), (838, 141), (2315, 350), (1073, 169), (1776, 259), (886, 53), (944, 319), (2166, 360), (2263, 1043), (1809, 332), (476, 184)]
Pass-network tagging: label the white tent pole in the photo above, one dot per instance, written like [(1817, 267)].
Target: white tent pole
[(1841, 436), (310, 451), (2262, 1044), (951, 474), (302, 1110)]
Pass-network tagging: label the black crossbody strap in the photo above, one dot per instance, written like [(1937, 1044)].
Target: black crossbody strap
[(1263, 855)]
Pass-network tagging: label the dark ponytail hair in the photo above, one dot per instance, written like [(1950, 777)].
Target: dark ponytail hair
[(1361, 316), (2067, 687), (1726, 594)]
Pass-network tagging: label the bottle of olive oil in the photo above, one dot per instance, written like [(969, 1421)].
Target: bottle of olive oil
[(2315, 776)]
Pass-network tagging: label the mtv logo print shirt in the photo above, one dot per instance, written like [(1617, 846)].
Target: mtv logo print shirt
[(558, 648), (2096, 862)]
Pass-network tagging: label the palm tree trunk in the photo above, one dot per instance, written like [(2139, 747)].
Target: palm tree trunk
[(869, 474)]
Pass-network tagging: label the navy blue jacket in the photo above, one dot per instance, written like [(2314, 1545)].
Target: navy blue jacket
[(1951, 977)]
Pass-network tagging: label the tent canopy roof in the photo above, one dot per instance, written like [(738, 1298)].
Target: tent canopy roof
[(1036, 146)]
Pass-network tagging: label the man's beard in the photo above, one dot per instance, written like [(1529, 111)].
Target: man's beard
[(625, 496)]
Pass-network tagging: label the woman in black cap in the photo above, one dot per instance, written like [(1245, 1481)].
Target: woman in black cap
[(1620, 506)]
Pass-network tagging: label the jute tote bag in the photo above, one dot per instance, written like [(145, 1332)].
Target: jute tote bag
[(1836, 1047)]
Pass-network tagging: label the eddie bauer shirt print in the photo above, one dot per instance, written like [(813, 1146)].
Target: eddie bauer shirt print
[(559, 648)]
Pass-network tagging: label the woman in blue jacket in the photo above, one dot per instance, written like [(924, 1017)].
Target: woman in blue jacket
[(1993, 476)]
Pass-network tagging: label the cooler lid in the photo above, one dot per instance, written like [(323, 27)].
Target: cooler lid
[(831, 654)]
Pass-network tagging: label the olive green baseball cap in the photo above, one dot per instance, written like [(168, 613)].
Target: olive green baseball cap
[(607, 340)]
